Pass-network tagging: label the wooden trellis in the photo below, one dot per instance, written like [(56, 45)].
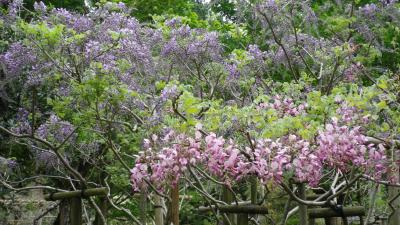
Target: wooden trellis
[(75, 198), (309, 215), (243, 210), (355, 211)]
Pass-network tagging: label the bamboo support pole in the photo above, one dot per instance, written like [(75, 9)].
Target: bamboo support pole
[(76, 194), (247, 209)]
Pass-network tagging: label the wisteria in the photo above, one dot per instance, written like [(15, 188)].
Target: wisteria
[(167, 165), (283, 107), (40, 7), (369, 9), (340, 146), (57, 129), (17, 58), (336, 147), (215, 105)]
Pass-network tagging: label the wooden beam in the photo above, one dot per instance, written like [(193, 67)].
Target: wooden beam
[(328, 212), (246, 209), (312, 197), (76, 194)]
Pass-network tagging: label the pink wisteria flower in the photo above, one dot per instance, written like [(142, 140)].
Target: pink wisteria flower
[(341, 148), (284, 106)]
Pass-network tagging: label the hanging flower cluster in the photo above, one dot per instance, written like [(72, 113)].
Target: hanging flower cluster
[(168, 165), (341, 147), (336, 147), (284, 106)]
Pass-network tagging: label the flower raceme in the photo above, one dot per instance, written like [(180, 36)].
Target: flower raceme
[(167, 165), (336, 147), (284, 107)]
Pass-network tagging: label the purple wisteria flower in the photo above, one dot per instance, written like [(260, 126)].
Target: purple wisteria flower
[(369, 10), (56, 129), (22, 114), (256, 54), (14, 8), (388, 2), (170, 47), (169, 93), (77, 22), (271, 5), (22, 126), (16, 59), (233, 71), (40, 7), (5, 2), (352, 72), (173, 22), (12, 164), (46, 159)]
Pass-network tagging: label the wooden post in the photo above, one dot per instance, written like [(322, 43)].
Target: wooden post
[(158, 210), (328, 213), (394, 219), (63, 209), (242, 210), (76, 211), (175, 205), (383, 220), (261, 192), (228, 198), (253, 190), (243, 219), (335, 221), (143, 207), (75, 201), (303, 208)]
